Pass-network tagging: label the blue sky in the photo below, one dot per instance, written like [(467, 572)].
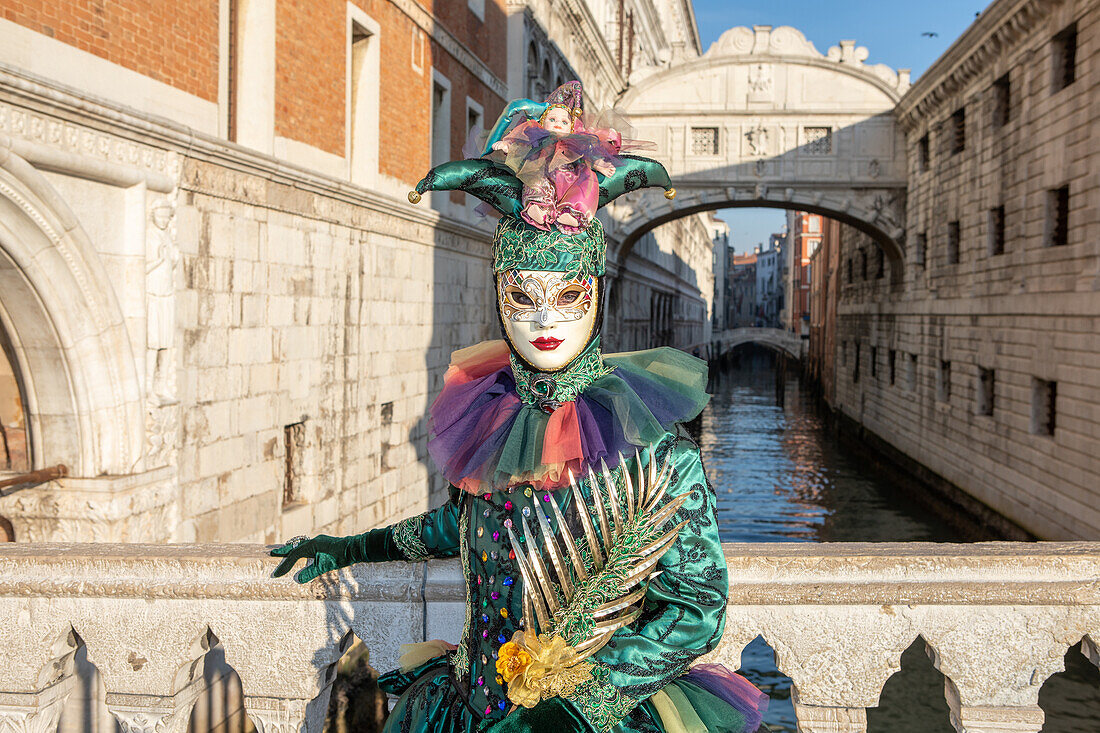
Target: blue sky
[(890, 30)]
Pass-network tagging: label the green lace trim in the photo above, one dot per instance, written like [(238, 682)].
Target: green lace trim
[(407, 535), (563, 385), (601, 702), (520, 246), (461, 659)]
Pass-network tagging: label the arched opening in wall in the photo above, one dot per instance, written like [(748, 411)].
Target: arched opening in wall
[(85, 709), (1070, 698), (913, 699), (355, 704), (15, 452), (219, 708), (758, 666), (7, 531)]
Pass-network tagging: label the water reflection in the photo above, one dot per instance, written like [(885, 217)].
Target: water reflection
[(780, 477)]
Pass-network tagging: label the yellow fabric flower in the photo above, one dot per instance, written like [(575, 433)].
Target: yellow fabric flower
[(539, 666), (512, 660)]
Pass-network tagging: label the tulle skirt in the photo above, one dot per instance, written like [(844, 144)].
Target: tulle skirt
[(708, 699)]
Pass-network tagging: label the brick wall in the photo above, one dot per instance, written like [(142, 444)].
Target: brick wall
[(176, 43)]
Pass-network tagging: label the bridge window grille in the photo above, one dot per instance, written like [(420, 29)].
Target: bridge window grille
[(922, 248), (986, 390), (997, 231), (1064, 58), (294, 438), (943, 381), (704, 141), (958, 131), (1044, 396), (1057, 217), (953, 235), (892, 361), (924, 153), (855, 365), (1002, 101), (874, 362), (819, 140)]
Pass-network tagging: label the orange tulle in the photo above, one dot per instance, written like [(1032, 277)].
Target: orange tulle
[(474, 362), (562, 442)]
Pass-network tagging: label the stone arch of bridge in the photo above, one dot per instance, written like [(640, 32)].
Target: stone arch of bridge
[(775, 339), (765, 119), (66, 332)]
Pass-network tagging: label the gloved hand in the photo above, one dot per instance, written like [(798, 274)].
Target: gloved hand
[(332, 553), (552, 715)]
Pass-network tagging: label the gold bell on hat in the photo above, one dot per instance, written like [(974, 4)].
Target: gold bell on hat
[(669, 194), (414, 197)]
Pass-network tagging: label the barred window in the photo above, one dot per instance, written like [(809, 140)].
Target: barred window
[(1002, 101), (924, 153), (922, 248), (1044, 400), (953, 236), (1057, 217), (997, 231), (958, 131), (704, 141), (819, 141), (1064, 58), (987, 381)]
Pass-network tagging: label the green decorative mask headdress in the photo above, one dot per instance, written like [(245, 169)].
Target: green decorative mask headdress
[(520, 246)]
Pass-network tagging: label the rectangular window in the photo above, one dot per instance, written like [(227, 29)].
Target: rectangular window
[(1064, 58), (1057, 220), (922, 248), (863, 264), (958, 131), (294, 439), (986, 391), (943, 381), (880, 263), (819, 141), (874, 362), (855, 365), (441, 130), (911, 373), (844, 353), (953, 234), (363, 107), (997, 231), (1002, 101), (850, 278), (924, 153), (1044, 396), (892, 357), (704, 141), (813, 223)]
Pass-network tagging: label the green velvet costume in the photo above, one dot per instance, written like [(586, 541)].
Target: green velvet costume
[(683, 617)]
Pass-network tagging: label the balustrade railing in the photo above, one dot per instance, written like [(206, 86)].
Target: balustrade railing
[(997, 618)]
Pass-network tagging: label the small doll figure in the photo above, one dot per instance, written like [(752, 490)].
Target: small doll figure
[(556, 157)]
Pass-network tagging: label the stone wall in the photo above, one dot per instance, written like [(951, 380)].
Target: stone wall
[(979, 323)]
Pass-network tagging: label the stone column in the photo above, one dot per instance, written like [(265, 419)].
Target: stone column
[(990, 719), (35, 712), (821, 719)]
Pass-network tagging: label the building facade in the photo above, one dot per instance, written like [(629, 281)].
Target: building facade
[(221, 313), (977, 356)]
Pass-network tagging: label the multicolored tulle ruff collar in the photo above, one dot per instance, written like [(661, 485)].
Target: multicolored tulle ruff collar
[(484, 438)]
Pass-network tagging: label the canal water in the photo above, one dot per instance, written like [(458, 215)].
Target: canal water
[(781, 476)]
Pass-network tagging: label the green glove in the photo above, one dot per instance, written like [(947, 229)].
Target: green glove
[(333, 553), (553, 715)]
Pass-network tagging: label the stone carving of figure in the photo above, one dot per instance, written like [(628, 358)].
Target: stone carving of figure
[(161, 256), (760, 82), (758, 140)]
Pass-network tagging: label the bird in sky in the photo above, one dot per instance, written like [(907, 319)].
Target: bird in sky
[(929, 34)]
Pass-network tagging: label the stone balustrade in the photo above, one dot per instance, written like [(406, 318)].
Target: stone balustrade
[(997, 617)]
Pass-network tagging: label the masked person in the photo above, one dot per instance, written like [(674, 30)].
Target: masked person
[(581, 512)]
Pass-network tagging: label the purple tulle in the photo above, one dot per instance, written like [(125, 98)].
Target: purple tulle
[(734, 689)]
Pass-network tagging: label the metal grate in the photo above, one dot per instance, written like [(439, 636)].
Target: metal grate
[(704, 141), (819, 141)]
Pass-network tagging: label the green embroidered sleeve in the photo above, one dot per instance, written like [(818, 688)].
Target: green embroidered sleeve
[(431, 534), (685, 606)]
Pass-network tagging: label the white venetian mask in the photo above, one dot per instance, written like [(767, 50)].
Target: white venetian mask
[(548, 318)]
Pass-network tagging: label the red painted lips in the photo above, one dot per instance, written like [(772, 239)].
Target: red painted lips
[(544, 343)]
